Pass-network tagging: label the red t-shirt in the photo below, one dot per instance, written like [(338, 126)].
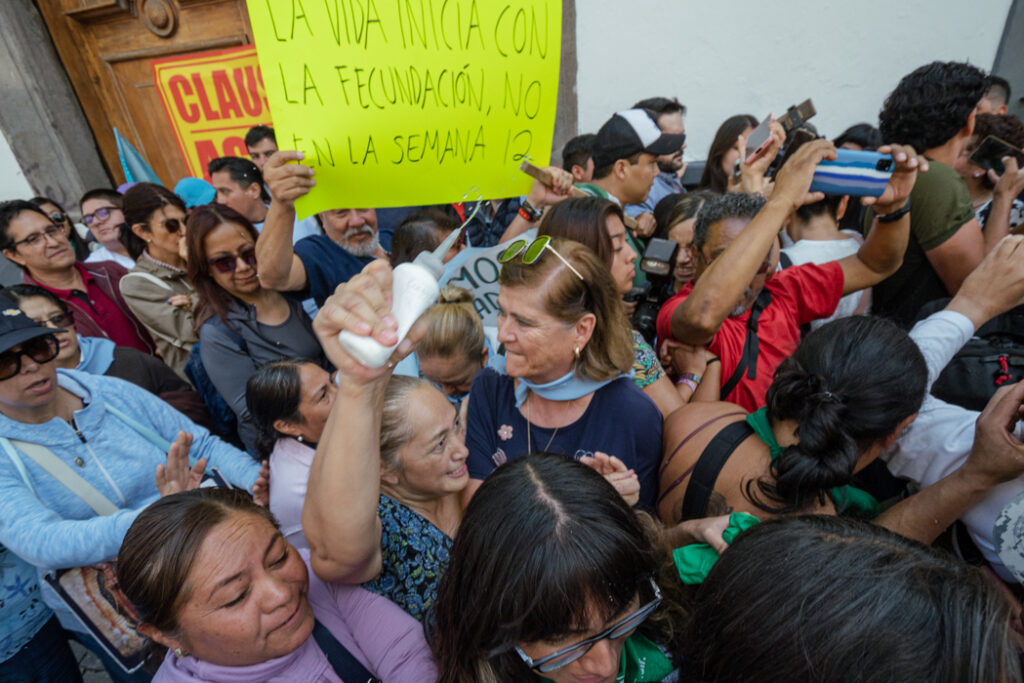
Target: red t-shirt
[(799, 295)]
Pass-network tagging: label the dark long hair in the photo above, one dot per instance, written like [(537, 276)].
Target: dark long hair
[(850, 383), (544, 541), (274, 392), (157, 553), (824, 599), (714, 178), (583, 220), (214, 300), (139, 203)]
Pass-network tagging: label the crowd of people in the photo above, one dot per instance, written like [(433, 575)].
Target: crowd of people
[(757, 479)]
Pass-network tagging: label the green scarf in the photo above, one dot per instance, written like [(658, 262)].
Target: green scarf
[(641, 661), (694, 561), (849, 500)]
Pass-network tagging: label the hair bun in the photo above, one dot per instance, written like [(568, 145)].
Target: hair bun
[(453, 294)]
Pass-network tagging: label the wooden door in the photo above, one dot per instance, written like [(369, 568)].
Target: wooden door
[(106, 47)]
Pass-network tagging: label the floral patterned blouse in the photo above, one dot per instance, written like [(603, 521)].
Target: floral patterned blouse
[(414, 556), (645, 362)]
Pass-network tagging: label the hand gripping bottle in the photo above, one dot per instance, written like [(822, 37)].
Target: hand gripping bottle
[(414, 289)]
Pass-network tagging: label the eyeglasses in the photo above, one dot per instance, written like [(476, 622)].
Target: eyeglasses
[(531, 251), (568, 655), (59, 321), (229, 262), (100, 214), (40, 350), (35, 239), (58, 217)]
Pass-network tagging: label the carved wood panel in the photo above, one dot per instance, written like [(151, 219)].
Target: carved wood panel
[(106, 47)]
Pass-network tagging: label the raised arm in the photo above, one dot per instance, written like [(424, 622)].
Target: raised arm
[(280, 267), (541, 197), (344, 539), (996, 457), (1008, 188), (722, 285), (881, 255)]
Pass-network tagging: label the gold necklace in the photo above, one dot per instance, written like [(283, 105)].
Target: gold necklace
[(529, 428)]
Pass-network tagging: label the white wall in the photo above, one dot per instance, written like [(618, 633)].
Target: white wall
[(13, 184), (730, 57)]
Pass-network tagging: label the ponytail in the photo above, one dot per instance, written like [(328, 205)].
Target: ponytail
[(849, 384)]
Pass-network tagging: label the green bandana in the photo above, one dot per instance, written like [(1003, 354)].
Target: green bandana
[(849, 500), (694, 561), (641, 661)]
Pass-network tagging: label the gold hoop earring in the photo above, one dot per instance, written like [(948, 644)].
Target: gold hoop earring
[(577, 352)]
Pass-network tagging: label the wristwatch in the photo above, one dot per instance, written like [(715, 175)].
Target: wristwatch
[(529, 212)]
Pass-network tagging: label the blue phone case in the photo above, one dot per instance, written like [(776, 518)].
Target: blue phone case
[(857, 173)]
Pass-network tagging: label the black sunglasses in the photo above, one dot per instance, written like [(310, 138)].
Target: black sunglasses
[(229, 262), (40, 350), (59, 321), (58, 217), (172, 225)]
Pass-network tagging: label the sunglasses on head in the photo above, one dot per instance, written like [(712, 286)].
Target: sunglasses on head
[(100, 214), (39, 350), (229, 262), (531, 252)]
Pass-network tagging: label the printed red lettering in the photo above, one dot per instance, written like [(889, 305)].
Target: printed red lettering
[(179, 87)]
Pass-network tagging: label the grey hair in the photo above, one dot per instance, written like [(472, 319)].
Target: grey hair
[(729, 205), (395, 429)]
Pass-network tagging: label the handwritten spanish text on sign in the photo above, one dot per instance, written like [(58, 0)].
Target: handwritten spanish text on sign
[(405, 102), (212, 99)]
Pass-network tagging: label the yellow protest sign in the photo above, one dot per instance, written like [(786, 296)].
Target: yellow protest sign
[(404, 102), (211, 100)]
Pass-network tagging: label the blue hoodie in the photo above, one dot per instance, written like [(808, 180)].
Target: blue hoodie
[(57, 529), (97, 354)]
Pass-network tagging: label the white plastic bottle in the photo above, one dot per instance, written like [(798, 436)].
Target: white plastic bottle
[(414, 289)]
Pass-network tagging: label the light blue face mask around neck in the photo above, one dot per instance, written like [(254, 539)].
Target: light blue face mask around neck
[(568, 387)]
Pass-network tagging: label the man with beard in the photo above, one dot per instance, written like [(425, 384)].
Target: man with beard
[(668, 114), (748, 315), (316, 265)]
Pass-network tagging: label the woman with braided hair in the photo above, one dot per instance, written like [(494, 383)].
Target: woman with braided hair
[(843, 397), (846, 393)]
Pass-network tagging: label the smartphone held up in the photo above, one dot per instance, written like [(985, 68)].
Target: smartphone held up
[(853, 172)]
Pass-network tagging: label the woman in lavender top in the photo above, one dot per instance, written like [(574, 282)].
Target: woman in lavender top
[(214, 581)]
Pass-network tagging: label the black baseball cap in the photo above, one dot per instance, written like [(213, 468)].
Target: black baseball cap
[(16, 327), (630, 132)]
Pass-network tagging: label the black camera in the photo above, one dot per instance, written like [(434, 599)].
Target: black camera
[(657, 263)]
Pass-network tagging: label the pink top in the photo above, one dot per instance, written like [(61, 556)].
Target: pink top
[(289, 473), (377, 632)]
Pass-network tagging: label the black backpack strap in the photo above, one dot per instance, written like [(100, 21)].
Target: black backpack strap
[(348, 668), (748, 361), (784, 260), (708, 467)]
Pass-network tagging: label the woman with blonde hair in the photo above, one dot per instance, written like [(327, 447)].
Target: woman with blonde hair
[(568, 352), (454, 347)]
